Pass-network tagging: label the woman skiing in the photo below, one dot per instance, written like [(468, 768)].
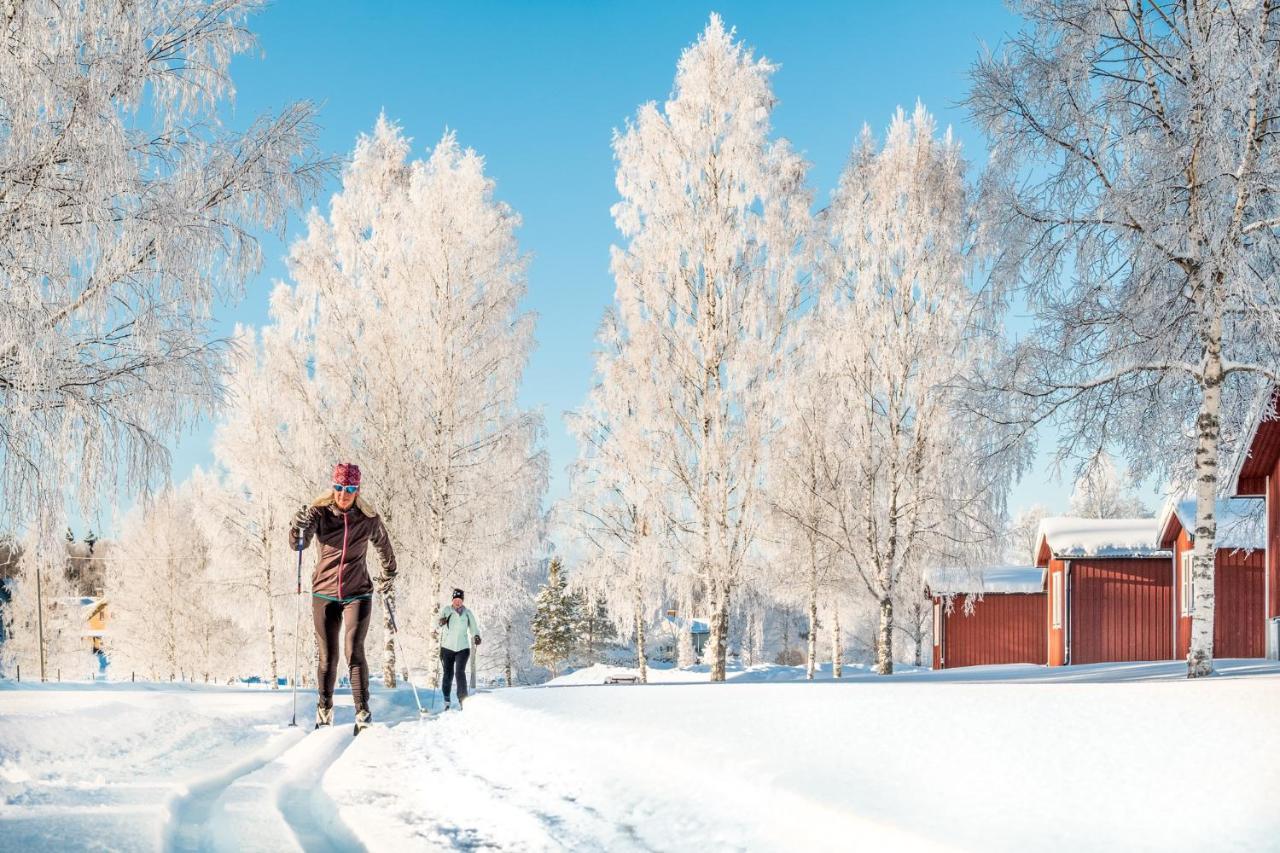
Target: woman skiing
[(457, 627), (341, 589)]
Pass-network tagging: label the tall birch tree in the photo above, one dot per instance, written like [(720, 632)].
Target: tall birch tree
[(908, 479), (714, 213), (1133, 192), (406, 345)]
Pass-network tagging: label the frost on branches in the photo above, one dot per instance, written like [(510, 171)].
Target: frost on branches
[(714, 214), (1101, 492), (1132, 191), (126, 211), (903, 475), (400, 345)]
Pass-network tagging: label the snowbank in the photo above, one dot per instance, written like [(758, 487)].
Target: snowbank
[(906, 762), (1100, 537), (996, 579), (764, 762)]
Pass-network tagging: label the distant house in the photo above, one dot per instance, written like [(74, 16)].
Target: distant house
[(1110, 586), (670, 629), (1239, 576), (1001, 618)]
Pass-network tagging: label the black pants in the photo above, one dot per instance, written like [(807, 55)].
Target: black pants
[(329, 617), (454, 665)]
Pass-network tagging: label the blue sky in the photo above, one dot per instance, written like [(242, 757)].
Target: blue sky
[(538, 87)]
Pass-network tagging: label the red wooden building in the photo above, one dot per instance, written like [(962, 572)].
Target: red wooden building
[(1239, 582), (988, 616), (1257, 475), (1110, 590)]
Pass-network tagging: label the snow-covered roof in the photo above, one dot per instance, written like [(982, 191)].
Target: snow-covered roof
[(1100, 537), (1242, 522), (962, 581)]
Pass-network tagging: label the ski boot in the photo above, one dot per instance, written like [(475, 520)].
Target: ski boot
[(324, 717), (363, 719)]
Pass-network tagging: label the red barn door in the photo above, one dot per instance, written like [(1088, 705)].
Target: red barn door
[(1121, 610)]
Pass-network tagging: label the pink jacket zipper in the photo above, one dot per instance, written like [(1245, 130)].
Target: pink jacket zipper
[(342, 561)]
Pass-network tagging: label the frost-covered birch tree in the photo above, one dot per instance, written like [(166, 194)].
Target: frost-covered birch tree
[(714, 213), (1133, 191), (1101, 492), (406, 345), (613, 512), (802, 557), (169, 609), (908, 480), (126, 211)]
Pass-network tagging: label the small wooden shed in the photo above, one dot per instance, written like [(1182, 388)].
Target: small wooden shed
[(1239, 577), (992, 615), (1110, 590)]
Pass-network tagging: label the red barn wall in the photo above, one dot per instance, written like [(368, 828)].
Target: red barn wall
[(1003, 628), (1273, 542), (1238, 582), (1120, 610)]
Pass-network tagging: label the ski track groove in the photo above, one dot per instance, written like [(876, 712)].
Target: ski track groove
[(186, 828), (309, 812)]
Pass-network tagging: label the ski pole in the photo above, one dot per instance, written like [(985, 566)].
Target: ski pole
[(395, 643), (297, 628)]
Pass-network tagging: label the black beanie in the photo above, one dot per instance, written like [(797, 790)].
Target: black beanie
[(457, 593)]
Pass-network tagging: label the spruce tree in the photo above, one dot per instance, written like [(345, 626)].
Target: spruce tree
[(596, 628), (556, 620)]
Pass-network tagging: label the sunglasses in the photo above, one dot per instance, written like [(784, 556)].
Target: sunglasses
[(351, 490)]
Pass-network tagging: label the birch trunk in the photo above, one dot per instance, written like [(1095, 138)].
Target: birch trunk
[(388, 647), (812, 657), (884, 640), (1208, 426), (719, 639), (506, 663), (837, 648), (641, 652), (271, 636)]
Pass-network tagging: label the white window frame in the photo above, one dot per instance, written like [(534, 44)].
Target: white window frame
[(937, 624), (1187, 588), (1056, 588)]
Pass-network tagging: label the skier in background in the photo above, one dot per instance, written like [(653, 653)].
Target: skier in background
[(457, 626), (341, 588)]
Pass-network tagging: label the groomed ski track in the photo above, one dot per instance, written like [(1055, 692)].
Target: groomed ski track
[(277, 792)]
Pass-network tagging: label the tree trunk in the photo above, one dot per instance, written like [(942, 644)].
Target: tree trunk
[(884, 639), (719, 632), (271, 632), (918, 631), (811, 658), (506, 671), (837, 648), (388, 644), (641, 651), (1208, 426)]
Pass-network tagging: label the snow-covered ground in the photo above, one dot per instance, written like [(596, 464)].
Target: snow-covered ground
[(1002, 758)]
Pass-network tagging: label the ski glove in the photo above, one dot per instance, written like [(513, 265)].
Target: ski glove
[(444, 620), (477, 639), (384, 585), (301, 527)]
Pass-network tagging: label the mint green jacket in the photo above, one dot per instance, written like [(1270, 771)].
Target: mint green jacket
[(456, 635)]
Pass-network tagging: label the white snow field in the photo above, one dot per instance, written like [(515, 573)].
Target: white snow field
[(991, 758)]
